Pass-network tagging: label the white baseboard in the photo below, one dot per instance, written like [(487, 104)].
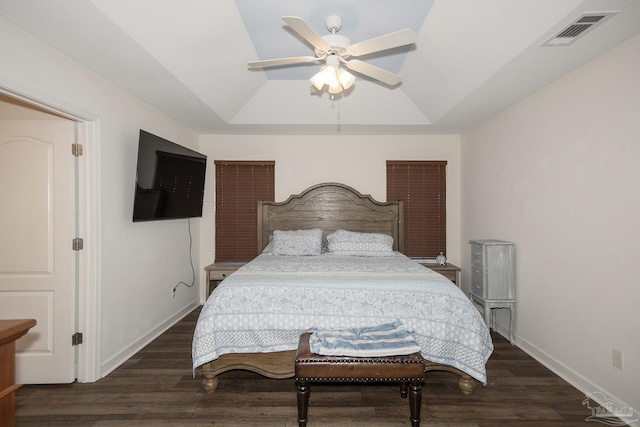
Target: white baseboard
[(118, 359), (566, 373)]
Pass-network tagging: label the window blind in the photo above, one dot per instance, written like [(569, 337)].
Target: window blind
[(422, 186), (239, 187)]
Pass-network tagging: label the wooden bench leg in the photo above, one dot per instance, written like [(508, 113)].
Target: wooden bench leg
[(415, 402), (303, 402)]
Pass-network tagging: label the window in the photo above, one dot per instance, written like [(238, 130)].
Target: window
[(422, 186), (239, 187)]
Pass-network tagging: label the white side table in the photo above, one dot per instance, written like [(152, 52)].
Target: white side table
[(493, 279)]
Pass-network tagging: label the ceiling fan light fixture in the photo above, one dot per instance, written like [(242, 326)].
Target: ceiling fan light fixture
[(318, 78), (346, 78), (335, 87), (328, 75)]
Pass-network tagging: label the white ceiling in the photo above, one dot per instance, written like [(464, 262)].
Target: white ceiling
[(188, 58)]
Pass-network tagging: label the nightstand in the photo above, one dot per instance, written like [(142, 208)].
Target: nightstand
[(218, 271), (450, 271)]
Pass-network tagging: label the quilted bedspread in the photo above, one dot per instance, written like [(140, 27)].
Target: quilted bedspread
[(267, 304)]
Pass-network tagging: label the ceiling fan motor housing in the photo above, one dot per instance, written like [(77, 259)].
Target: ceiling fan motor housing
[(339, 44)]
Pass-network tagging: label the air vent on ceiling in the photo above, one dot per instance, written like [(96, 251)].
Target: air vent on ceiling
[(578, 28)]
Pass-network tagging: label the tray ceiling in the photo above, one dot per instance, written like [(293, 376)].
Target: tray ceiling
[(188, 58)]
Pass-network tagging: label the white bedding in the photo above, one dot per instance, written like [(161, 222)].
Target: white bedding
[(267, 304)]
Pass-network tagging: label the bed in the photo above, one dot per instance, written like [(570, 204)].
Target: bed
[(253, 319)]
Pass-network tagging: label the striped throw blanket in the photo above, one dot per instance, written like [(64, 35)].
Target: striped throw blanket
[(388, 339)]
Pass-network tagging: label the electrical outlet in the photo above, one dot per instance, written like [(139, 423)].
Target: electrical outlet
[(173, 293), (617, 358)]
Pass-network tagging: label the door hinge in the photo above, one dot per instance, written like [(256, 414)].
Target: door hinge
[(78, 244), (76, 338), (76, 149)]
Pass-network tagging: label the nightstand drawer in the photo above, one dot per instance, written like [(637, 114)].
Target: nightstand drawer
[(218, 271), (449, 271), (219, 274), (451, 275), (477, 280)]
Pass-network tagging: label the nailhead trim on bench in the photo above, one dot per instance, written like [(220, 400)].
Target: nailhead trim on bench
[(351, 379), (378, 360)]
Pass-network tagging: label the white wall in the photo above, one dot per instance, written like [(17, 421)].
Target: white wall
[(357, 161), (559, 175), (138, 263)]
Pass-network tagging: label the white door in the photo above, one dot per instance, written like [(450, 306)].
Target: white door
[(37, 226)]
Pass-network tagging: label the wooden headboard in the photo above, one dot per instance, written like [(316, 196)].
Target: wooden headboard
[(330, 207)]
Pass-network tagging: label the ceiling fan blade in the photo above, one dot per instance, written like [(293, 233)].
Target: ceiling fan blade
[(372, 71), (281, 61), (306, 32), (388, 41)]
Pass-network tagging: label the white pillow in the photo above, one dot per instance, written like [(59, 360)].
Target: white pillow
[(343, 242), (297, 242)]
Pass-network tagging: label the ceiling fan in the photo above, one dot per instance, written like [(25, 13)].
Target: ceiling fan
[(335, 50)]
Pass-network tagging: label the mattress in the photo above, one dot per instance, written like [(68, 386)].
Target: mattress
[(268, 303)]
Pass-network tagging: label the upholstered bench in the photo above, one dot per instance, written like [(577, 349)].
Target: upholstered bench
[(407, 370)]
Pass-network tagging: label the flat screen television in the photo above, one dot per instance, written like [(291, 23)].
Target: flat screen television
[(169, 180)]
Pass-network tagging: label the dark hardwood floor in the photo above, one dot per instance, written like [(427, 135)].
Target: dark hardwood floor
[(156, 387)]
